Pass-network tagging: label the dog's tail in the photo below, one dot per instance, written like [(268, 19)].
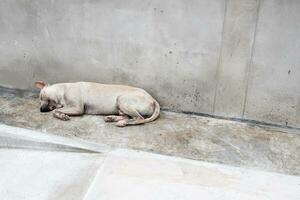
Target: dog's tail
[(155, 114), (153, 117)]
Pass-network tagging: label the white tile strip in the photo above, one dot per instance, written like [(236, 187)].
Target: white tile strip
[(125, 174)]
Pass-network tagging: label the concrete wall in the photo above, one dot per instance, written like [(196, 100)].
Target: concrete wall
[(232, 58)]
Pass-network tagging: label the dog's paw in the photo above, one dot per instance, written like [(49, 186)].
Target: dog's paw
[(121, 123), (61, 116), (65, 117)]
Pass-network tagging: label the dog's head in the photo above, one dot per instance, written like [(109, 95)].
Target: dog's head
[(47, 96)]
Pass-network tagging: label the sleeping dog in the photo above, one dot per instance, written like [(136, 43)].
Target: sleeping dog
[(124, 105)]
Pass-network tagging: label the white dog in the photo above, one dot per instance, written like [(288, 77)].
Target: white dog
[(125, 105)]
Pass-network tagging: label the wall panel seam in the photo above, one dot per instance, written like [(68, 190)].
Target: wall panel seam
[(220, 58), (251, 60)]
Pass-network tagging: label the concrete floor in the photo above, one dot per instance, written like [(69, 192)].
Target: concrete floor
[(187, 136), (39, 166)]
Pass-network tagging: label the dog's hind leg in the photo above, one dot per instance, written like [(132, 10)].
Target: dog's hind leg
[(65, 112), (131, 112), (115, 118), (131, 105)]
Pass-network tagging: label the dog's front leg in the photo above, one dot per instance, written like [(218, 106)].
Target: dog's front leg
[(66, 112)]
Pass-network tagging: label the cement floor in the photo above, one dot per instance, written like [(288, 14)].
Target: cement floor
[(187, 136), (81, 170)]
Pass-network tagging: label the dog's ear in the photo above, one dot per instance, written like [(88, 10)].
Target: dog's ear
[(40, 84)]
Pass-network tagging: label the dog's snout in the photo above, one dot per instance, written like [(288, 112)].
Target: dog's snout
[(44, 109)]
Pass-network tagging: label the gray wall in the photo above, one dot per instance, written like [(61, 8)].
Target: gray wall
[(232, 58)]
